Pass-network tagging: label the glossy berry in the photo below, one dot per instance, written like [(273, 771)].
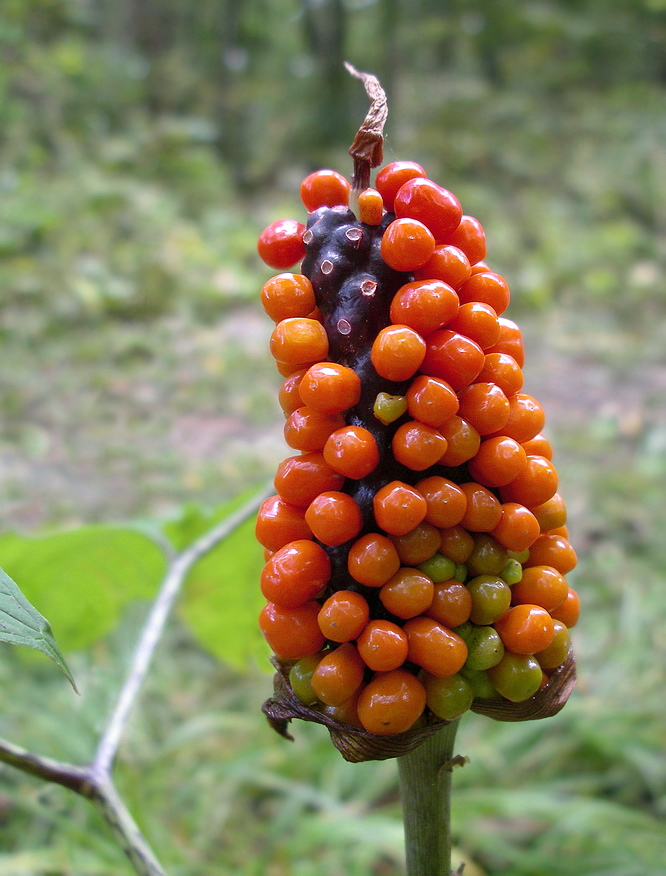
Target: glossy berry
[(448, 698), (287, 295), (407, 594), (292, 633), (469, 236), (534, 485), (339, 674), (418, 545), (485, 406), (438, 568), (397, 352), (417, 446), (373, 559), (484, 647), (491, 597), (424, 305), (552, 550), (289, 395), (281, 245), (308, 430), (299, 339), (516, 677), (518, 528), (540, 585), (343, 616), (434, 647), (457, 543), (568, 611), (352, 451), (538, 446), (526, 629), (334, 518), (556, 653), (370, 207), (407, 244), (526, 418), (510, 341), (431, 400), (300, 679), (502, 369), (446, 502), (429, 203), (487, 557), (498, 461), (451, 603), (300, 479), (447, 263), (330, 388), (487, 288), (382, 645), (279, 522), (391, 703), (324, 188), (462, 441), (452, 357), (483, 510), (398, 508), (390, 179), (295, 573), (477, 321), (552, 514)]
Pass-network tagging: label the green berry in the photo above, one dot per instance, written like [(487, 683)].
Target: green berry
[(449, 697), (438, 568), (300, 679), (460, 573), (512, 572), (516, 677), (491, 596), (484, 648)]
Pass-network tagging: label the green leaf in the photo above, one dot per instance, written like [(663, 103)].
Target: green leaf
[(194, 521), (22, 624), (222, 599), (82, 579)]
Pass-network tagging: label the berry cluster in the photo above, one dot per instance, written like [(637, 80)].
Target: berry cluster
[(416, 546)]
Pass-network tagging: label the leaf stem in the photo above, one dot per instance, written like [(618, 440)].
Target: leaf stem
[(425, 787), (154, 626)]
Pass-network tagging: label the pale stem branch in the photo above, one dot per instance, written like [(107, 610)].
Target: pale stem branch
[(94, 781)]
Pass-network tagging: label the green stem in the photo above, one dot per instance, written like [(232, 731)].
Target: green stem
[(425, 787)]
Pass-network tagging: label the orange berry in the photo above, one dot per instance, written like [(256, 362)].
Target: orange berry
[(538, 446), (526, 629), (382, 645), (344, 616), (352, 451), (557, 652), (398, 508), (457, 543), (447, 263), (334, 518), (452, 357), (330, 388), (407, 594), (292, 633), (510, 341), (391, 703), (300, 479), (436, 207), (373, 559), (407, 244), (470, 237), (552, 514), (298, 339), (287, 295), (485, 406), (446, 502), (417, 545), (502, 369), (477, 321), (568, 611), (434, 647), (424, 305), (289, 395), (463, 441), (390, 179), (324, 188), (483, 511), (526, 418), (307, 429), (518, 528), (451, 603), (534, 485), (397, 352), (488, 288), (431, 400), (295, 573), (370, 207), (497, 462), (339, 674), (279, 522), (540, 585), (552, 550), (281, 244), (417, 446)]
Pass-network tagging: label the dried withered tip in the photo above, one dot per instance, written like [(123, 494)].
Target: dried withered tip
[(356, 744)]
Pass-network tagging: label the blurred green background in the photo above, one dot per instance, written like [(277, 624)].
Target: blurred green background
[(143, 146)]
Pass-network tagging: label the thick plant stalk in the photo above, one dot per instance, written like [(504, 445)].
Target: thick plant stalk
[(425, 787)]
